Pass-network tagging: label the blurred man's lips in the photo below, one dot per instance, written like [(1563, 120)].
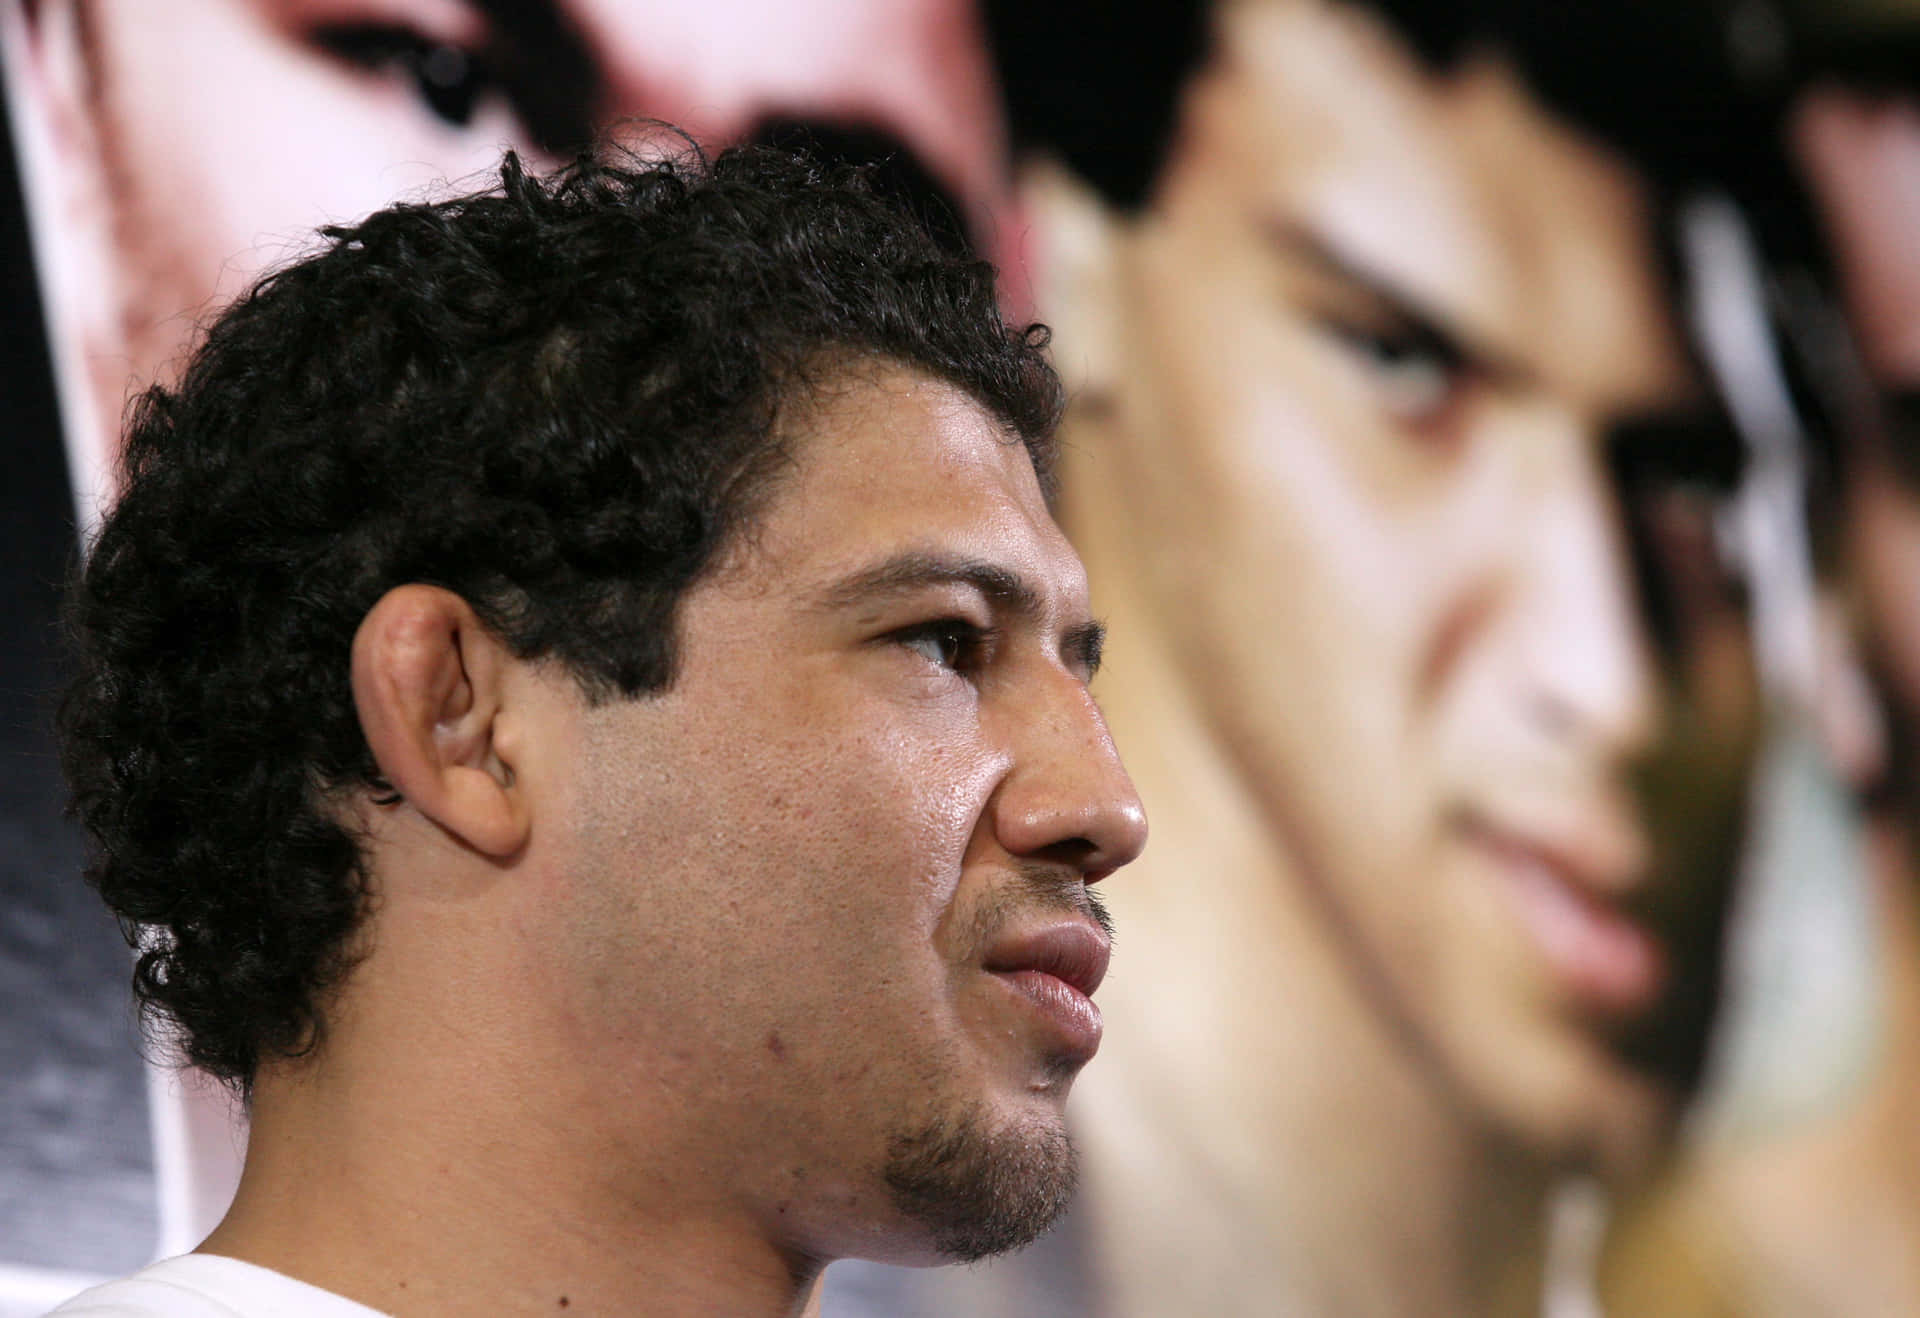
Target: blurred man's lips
[(1056, 969), (1566, 898)]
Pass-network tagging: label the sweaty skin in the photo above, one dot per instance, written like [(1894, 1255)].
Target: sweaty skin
[(663, 996)]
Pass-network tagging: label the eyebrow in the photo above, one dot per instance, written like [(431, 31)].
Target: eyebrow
[(1303, 243), (549, 67), (1008, 591)]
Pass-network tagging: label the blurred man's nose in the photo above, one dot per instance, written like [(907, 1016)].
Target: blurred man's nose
[(1067, 797), (1590, 668)]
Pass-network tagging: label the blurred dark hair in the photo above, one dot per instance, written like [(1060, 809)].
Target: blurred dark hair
[(1671, 83), (557, 398), (1097, 85)]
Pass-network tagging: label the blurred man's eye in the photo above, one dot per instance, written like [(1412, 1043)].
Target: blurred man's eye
[(1676, 476), (448, 79), (1416, 375)]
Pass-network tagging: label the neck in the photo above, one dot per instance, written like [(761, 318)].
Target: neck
[(436, 1186), (1322, 1164)]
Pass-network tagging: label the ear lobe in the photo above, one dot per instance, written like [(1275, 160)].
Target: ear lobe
[(428, 687), (1075, 277)]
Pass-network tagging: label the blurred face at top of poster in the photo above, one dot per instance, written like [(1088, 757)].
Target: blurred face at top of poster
[(1377, 326), (1862, 156), (205, 139)]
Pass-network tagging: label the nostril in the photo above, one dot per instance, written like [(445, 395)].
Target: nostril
[(1066, 798), (1075, 852)]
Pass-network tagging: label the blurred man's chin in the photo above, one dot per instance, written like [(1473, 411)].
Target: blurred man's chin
[(1614, 1126), (1626, 1141), (981, 1187)]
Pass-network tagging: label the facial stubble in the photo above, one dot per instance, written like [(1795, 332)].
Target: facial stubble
[(983, 1187), (981, 1191)]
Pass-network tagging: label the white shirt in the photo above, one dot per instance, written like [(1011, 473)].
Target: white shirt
[(208, 1286)]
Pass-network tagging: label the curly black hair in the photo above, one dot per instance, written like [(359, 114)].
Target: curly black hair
[(557, 398)]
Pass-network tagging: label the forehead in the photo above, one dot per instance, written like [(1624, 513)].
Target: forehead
[(886, 461), (1458, 191)]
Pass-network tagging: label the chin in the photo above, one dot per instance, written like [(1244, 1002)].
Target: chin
[(1601, 1119), (977, 1184)]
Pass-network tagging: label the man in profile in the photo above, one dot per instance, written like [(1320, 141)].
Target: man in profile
[(585, 706), (171, 153)]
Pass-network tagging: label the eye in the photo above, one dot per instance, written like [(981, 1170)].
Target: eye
[(948, 642), (449, 79), (1676, 476), (1416, 375)]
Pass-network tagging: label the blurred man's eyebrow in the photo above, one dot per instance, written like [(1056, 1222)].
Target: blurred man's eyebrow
[(563, 82), (1303, 243)]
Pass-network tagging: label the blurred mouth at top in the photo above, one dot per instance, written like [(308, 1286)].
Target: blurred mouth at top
[(1569, 886)]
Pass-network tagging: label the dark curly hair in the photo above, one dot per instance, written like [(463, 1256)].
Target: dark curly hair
[(557, 398)]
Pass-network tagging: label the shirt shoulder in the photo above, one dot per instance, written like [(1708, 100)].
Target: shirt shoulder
[(208, 1286)]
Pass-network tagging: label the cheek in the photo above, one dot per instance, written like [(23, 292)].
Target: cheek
[(1293, 572), (824, 862), (879, 810), (1279, 482)]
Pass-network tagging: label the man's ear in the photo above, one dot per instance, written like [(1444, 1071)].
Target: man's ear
[(1076, 277), (428, 683)]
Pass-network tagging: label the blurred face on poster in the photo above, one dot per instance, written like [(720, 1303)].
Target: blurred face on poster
[(1380, 327), (1862, 156), (201, 141)]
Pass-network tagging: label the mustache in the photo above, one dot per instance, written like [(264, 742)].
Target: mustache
[(1037, 886)]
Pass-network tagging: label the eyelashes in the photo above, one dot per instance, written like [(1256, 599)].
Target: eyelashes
[(524, 60), (450, 80), (1416, 374), (952, 643)]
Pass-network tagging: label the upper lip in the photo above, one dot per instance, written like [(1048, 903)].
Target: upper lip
[(1596, 851), (1075, 951)]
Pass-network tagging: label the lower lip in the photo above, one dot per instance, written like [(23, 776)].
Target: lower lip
[(1070, 1013), (1602, 958)]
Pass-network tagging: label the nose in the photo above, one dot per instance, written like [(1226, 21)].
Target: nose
[(1591, 674), (1066, 797)]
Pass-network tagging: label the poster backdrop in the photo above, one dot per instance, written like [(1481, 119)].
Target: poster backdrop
[(1498, 490)]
